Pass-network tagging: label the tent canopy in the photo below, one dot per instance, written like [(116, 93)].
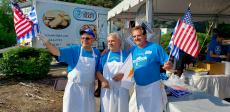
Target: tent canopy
[(173, 9)]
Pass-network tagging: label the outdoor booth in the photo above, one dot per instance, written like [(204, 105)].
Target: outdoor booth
[(211, 84)]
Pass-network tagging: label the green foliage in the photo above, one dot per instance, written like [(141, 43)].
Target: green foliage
[(164, 41), (103, 3), (7, 39), (7, 34), (26, 63), (202, 41)]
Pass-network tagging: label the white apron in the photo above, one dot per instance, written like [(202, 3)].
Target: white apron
[(78, 95), (115, 98), (150, 98)]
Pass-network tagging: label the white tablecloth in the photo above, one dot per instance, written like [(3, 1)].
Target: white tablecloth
[(216, 85), (197, 102)]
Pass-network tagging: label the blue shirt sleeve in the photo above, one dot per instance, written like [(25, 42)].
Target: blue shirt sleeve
[(98, 55), (162, 55), (69, 54), (102, 62), (212, 46)]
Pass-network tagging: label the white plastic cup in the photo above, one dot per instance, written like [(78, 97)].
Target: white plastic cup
[(227, 68)]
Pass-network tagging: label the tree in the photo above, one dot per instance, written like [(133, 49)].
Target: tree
[(7, 34), (103, 3)]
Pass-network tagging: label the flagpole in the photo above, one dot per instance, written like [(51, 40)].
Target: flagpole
[(39, 29), (12, 1), (190, 3), (170, 53), (207, 35)]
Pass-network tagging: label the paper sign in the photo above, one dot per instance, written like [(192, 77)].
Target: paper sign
[(127, 69)]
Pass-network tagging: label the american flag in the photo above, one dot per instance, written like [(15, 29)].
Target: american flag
[(185, 37), (174, 50), (22, 24), (27, 38), (178, 93)]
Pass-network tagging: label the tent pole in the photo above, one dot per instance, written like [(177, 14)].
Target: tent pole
[(149, 12)]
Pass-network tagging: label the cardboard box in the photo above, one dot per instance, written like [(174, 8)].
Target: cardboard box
[(214, 68)]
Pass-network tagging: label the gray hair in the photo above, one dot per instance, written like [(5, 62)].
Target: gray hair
[(115, 35)]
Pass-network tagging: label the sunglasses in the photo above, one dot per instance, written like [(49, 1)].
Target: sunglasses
[(86, 38)]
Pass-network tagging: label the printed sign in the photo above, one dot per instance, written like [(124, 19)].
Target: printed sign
[(83, 14), (61, 22)]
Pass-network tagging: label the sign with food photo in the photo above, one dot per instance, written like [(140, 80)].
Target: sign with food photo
[(61, 22)]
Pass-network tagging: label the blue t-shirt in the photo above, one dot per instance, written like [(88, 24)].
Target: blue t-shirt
[(146, 63), (71, 54), (216, 48), (114, 56)]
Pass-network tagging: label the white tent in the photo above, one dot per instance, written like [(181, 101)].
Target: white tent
[(218, 10)]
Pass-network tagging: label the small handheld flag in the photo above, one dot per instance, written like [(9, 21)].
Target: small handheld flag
[(174, 50), (27, 38), (185, 37), (22, 24)]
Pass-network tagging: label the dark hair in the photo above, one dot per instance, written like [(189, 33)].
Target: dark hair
[(215, 30), (139, 28), (220, 35)]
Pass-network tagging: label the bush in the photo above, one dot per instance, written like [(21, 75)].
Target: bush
[(7, 33), (164, 41), (26, 63), (7, 39)]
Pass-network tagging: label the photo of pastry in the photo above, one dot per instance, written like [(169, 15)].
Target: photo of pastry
[(56, 19)]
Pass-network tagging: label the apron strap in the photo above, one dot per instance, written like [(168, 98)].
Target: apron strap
[(93, 54), (121, 59)]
